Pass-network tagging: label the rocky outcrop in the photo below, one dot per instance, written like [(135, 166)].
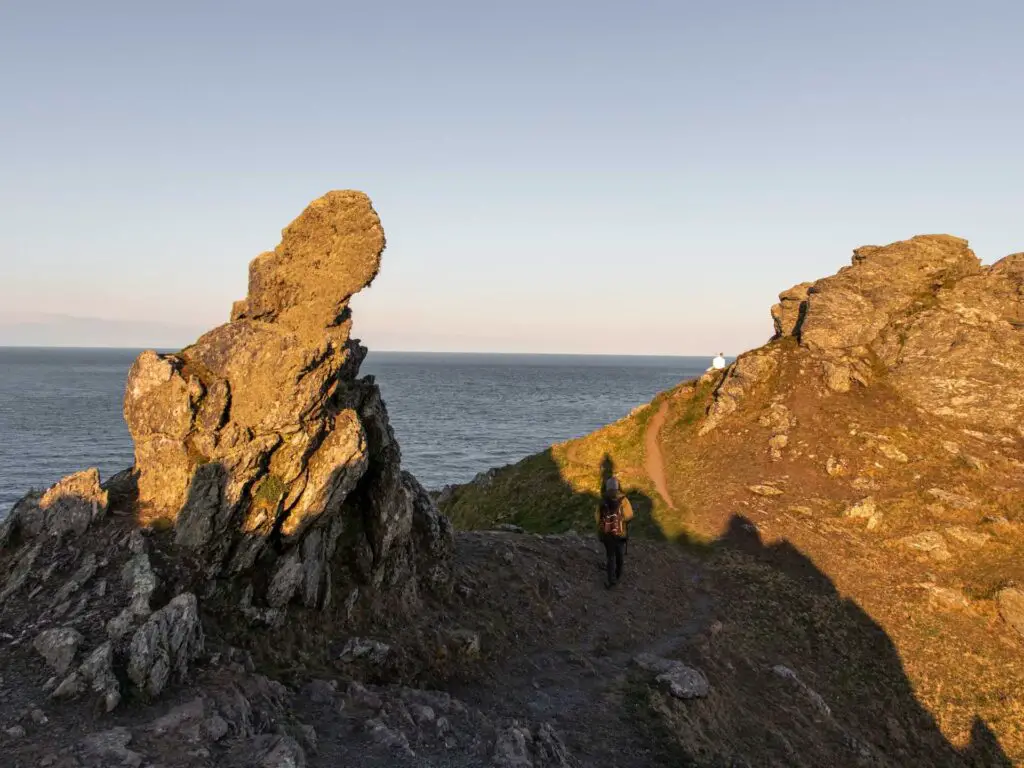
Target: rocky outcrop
[(263, 449), (66, 508), (947, 333), (788, 314), (267, 480), (744, 375)]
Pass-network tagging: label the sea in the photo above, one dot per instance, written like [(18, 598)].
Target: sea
[(455, 415)]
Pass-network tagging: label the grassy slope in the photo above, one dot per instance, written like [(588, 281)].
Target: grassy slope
[(557, 490)]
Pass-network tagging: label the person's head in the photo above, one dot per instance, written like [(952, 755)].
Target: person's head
[(611, 486), (721, 354)]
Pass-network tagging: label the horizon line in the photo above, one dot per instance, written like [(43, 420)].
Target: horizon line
[(379, 350)]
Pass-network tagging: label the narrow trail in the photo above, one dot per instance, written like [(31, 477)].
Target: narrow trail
[(574, 671), (653, 462)]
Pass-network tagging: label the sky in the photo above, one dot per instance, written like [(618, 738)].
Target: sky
[(593, 177)]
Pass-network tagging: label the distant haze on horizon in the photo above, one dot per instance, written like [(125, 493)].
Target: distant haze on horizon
[(552, 177)]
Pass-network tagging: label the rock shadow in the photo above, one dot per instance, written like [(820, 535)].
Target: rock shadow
[(780, 612), (777, 611)]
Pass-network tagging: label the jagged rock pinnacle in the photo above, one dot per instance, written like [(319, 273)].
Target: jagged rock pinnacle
[(258, 442)]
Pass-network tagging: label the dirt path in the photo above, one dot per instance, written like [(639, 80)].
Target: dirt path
[(652, 455), (575, 675)]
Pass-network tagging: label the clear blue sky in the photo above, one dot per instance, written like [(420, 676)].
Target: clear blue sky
[(552, 176)]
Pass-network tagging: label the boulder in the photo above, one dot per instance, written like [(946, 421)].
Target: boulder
[(1011, 607), (929, 542), (680, 680), (97, 673), (68, 507), (684, 682), (788, 314), (58, 647), (865, 509), (165, 645), (110, 748)]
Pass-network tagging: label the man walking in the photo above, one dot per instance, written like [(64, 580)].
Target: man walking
[(613, 514)]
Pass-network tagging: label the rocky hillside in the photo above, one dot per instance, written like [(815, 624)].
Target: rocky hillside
[(870, 457)]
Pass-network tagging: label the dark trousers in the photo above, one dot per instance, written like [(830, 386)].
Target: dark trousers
[(613, 548)]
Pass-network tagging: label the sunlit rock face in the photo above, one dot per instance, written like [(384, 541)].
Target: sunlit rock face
[(945, 332), (263, 448)]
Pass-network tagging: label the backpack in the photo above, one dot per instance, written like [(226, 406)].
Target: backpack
[(612, 523)]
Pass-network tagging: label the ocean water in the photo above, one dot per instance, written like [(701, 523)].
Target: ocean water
[(454, 414)]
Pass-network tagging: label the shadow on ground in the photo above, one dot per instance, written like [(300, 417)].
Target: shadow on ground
[(845, 699)]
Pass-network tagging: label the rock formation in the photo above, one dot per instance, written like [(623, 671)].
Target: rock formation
[(263, 450), (944, 331), (266, 479)]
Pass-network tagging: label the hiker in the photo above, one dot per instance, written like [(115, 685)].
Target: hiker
[(613, 515), (718, 363)]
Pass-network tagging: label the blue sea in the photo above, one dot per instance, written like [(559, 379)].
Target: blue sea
[(454, 414)]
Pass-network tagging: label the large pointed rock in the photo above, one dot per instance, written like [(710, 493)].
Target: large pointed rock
[(260, 445)]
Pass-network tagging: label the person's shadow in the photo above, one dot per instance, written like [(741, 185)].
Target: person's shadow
[(781, 610)]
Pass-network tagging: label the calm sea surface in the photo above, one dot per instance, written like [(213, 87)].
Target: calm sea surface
[(455, 415)]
